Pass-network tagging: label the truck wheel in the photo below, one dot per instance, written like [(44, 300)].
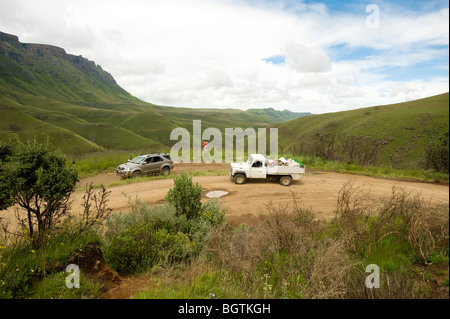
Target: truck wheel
[(165, 171), (239, 178), (285, 180), (136, 174)]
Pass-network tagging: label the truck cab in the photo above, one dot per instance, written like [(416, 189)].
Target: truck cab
[(257, 167)]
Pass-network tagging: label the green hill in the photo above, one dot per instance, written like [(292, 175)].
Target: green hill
[(390, 135), (46, 92)]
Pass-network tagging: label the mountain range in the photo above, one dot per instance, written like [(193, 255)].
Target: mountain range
[(46, 92)]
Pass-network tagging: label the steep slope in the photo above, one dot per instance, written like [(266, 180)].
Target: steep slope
[(45, 70), (394, 135), (67, 93), (16, 125)]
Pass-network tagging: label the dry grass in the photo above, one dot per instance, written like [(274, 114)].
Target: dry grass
[(289, 254), (281, 257), (294, 255)]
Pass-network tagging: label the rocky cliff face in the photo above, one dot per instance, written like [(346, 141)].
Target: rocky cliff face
[(44, 51), (30, 53), (9, 38)]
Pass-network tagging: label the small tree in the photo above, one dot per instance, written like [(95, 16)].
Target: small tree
[(40, 182), (185, 196), (95, 210), (437, 154)]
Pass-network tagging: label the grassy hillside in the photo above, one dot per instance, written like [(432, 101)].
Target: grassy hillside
[(391, 135), (16, 125), (46, 92)]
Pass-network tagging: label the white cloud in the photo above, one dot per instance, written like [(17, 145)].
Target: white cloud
[(304, 59), (201, 53)]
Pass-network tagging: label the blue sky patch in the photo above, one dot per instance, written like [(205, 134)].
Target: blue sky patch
[(344, 52), (278, 59)]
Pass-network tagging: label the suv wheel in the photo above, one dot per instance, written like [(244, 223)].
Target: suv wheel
[(239, 179), (136, 174), (165, 171)]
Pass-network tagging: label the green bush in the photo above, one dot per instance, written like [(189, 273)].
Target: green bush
[(437, 154), (212, 212), (142, 213), (40, 182), (155, 234), (185, 196), (142, 246)]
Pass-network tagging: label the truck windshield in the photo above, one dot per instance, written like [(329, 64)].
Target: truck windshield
[(137, 159)]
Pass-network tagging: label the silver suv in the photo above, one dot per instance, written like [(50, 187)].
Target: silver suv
[(148, 164)]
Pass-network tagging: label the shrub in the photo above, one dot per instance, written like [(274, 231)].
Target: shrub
[(142, 246), (95, 210), (152, 235), (40, 182), (212, 212), (437, 154), (185, 196), (425, 226), (142, 213)]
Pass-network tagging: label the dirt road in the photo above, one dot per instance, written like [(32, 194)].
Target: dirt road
[(317, 190)]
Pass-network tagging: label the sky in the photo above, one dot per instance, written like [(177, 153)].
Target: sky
[(303, 56)]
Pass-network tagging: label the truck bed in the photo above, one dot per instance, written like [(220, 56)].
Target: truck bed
[(285, 170)]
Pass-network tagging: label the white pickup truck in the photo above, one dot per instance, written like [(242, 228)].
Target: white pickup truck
[(258, 166)]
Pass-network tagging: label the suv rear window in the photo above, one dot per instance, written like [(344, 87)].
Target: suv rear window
[(167, 156)]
